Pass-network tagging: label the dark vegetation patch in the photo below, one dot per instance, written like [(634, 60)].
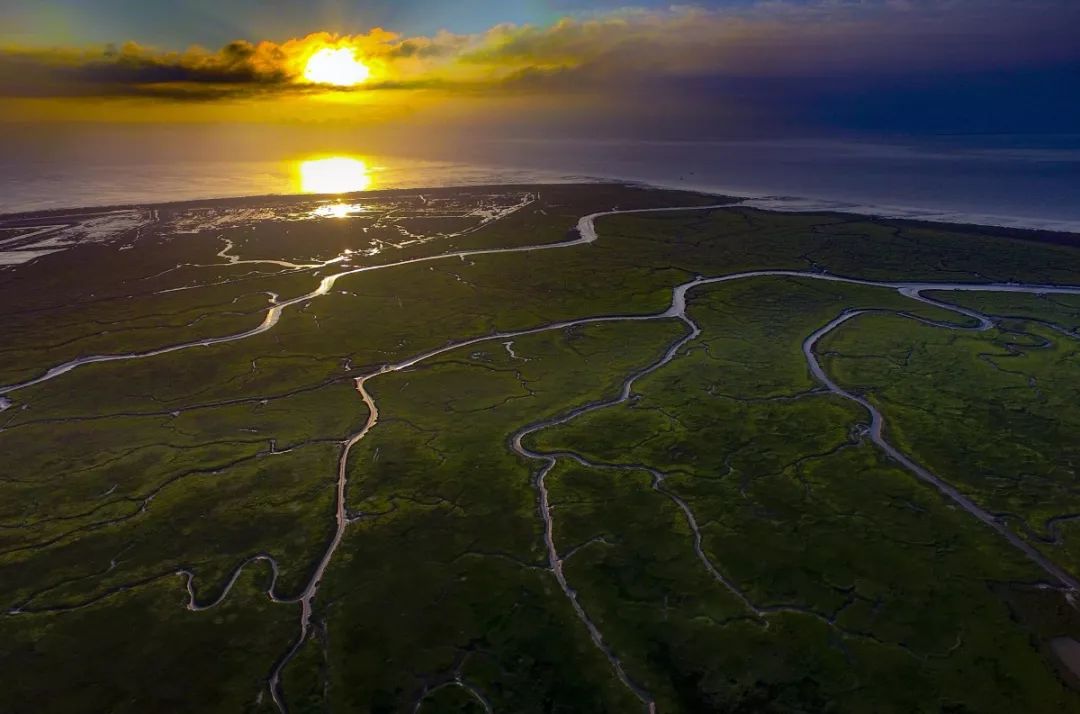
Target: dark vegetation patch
[(730, 529)]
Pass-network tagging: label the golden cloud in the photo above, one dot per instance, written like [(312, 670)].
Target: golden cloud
[(600, 52)]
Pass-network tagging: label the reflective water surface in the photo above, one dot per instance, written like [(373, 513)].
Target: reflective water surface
[(334, 174), (1002, 181), (62, 184)]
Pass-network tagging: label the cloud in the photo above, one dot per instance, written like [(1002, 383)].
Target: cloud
[(237, 69), (609, 52), (777, 38)]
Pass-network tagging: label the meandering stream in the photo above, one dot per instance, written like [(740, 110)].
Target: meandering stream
[(676, 310)]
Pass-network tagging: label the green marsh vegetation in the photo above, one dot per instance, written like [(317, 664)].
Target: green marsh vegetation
[(992, 412), (730, 530)]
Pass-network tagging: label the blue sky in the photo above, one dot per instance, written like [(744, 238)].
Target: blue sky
[(179, 23)]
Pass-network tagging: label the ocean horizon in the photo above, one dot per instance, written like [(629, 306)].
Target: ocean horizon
[(1012, 182)]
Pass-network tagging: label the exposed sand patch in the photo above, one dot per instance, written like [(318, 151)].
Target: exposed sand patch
[(18, 257)]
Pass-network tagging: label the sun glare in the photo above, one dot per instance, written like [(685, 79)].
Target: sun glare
[(337, 174), (338, 210), (336, 66)]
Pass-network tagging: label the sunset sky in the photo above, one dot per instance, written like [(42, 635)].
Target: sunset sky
[(525, 67)]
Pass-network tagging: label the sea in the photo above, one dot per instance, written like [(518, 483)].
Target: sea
[(1028, 182)]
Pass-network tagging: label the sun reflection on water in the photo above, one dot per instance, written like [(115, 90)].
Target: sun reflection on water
[(335, 174), (338, 210)]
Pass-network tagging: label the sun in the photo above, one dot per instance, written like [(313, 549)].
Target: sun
[(336, 66)]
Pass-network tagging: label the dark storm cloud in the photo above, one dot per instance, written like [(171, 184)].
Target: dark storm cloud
[(133, 70)]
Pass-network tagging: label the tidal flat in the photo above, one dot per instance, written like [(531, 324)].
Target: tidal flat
[(543, 448)]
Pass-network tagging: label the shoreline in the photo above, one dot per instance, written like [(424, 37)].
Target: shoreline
[(1064, 232), (765, 201)]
